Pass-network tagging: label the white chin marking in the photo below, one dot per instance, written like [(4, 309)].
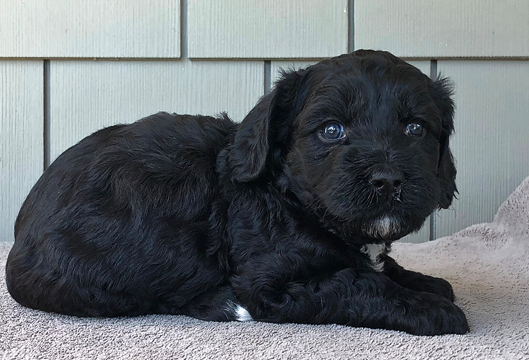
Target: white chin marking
[(382, 227), (374, 251)]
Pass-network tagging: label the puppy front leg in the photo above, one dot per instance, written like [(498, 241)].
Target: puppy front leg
[(281, 289), (417, 281)]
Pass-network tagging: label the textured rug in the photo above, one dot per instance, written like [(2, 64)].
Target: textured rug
[(487, 265)]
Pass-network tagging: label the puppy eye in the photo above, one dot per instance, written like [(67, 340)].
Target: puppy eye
[(415, 129), (333, 131)]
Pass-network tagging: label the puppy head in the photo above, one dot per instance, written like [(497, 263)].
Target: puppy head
[(361, 141)]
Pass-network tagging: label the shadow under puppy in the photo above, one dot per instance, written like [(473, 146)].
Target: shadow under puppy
[(286, 217)]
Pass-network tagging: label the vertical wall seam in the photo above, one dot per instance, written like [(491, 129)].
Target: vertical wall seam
[(434, 216), (46, 113), (267, 76), (433, 69), (183, 30), (432, 225), (350, 28)]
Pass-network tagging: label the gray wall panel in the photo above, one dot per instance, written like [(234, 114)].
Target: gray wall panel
[(267, 29), (90, 29), (440, 29), (492, 137), (86, 96), (21, 137)]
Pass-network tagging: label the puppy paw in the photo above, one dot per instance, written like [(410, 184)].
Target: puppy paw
[(452, 320), (439, 316), (431, 285), (437, 286), (458, 322)]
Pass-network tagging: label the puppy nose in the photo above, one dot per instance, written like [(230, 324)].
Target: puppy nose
[(387, 182)]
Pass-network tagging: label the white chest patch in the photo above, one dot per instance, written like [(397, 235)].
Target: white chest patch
[(374, 251)]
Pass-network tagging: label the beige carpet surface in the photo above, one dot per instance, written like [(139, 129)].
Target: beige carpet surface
[(487, 264)]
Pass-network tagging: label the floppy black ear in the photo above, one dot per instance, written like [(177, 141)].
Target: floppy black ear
[(263, 134), (442, 92)]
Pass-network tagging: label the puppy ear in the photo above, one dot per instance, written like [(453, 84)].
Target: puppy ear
[(263, 134), (442, 92), (248, 154)]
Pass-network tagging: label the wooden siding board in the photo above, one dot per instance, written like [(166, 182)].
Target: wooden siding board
[(89, 95), (267, 29), (90, 29), (491, 141), (21, 137), (441, 29)]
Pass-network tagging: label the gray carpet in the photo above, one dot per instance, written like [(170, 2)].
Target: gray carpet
[(487, 264)]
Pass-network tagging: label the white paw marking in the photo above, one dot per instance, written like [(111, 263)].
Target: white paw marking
[(242, 314)]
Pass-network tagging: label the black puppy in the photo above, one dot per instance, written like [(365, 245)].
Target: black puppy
[(287, 217)]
